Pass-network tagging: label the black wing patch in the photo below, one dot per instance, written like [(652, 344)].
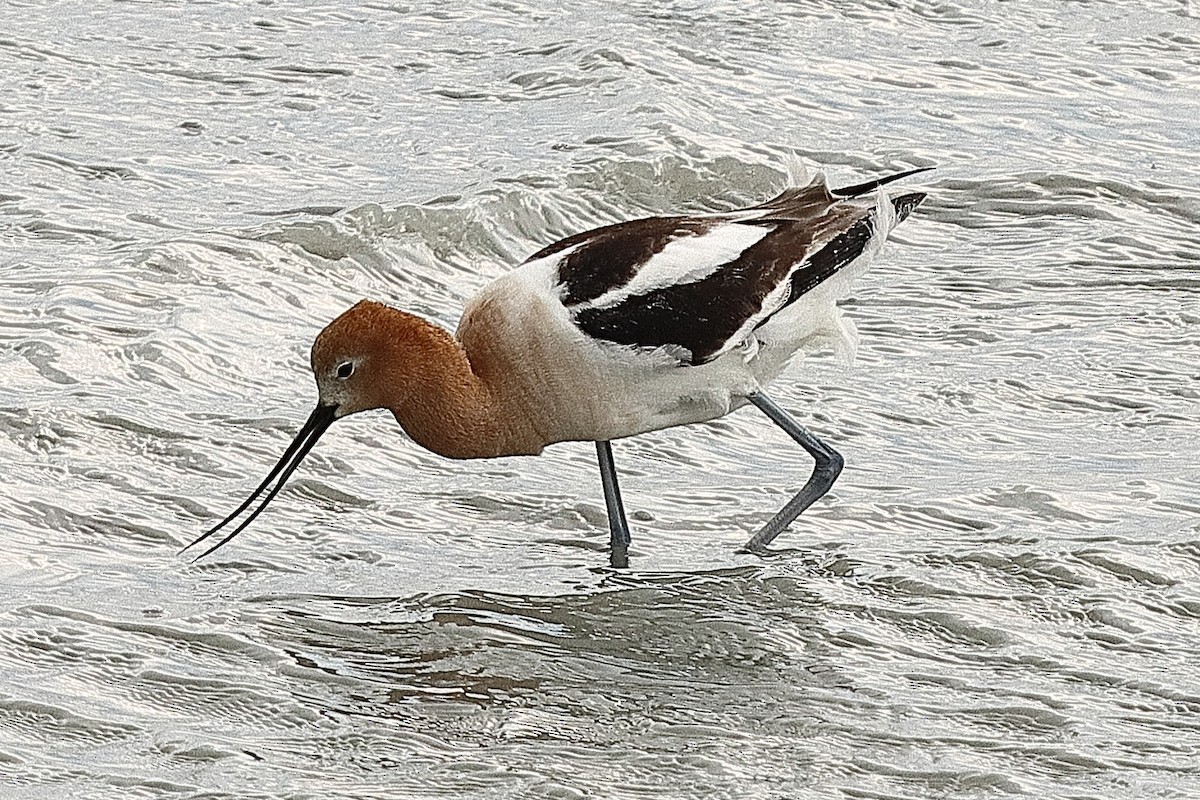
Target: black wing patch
[(702, 316), (845, 247), (608, 258), (841, 250), (905, 204)]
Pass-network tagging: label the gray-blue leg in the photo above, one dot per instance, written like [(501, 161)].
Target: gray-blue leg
[(618, 528), (825, 472)]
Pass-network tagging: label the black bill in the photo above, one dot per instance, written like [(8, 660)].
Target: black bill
[(316, 424)]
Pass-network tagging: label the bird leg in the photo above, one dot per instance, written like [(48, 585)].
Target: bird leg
[(825, 472), (617, 526)]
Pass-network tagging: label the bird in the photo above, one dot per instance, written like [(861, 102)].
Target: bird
[(628, 328)]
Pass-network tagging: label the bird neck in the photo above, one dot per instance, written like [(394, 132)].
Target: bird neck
[(446, 406)]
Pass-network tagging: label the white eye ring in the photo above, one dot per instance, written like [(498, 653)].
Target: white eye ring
[(345, 370)]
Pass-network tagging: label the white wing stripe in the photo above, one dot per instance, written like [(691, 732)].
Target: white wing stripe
[(686, 260)]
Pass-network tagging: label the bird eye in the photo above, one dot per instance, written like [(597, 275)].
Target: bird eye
[(345, 369)]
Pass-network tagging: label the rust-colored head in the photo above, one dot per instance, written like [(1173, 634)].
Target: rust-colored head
[(364, 359), (376, 356), (355, 360)]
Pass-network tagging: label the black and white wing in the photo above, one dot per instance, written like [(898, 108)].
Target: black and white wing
[(697, 286)]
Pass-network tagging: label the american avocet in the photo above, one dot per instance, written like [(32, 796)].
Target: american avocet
[(613, 332)]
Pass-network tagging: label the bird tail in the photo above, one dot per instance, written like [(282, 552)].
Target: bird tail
[(905, 203), (870, 186)]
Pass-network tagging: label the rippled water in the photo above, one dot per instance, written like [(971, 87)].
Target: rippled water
[(1000, 596)]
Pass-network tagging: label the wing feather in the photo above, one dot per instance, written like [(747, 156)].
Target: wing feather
[(697, 287), (707, 317)]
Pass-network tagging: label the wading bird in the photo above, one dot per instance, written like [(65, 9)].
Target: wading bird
[(613, 332)]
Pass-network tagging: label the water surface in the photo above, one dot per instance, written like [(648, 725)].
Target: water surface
[(998, 598)]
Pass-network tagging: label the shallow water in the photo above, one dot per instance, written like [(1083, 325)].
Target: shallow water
[(1000, 596)]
